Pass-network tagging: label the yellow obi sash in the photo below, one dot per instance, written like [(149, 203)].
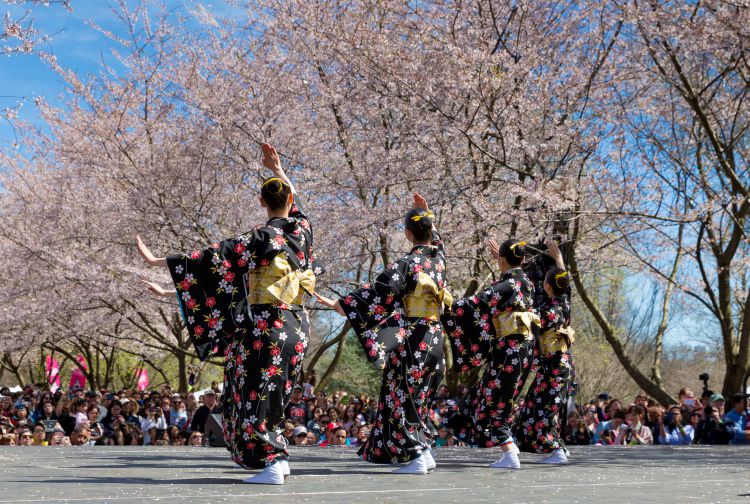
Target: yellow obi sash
[(427, 300), (509, 322), (556, 340), (279, 283)]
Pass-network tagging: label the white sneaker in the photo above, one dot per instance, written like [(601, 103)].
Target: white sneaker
[(557, 457), (509, 460), (416, 466), (271, 475), (285, 467), (429, 459)]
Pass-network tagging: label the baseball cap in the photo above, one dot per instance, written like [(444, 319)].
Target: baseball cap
[(299, 430), (717, 397)]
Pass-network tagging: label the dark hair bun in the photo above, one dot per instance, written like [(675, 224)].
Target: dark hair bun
[(559, 280), (419, 222), (513, 251), (275, 192)]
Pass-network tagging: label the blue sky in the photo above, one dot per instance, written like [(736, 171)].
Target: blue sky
[(75, 44)]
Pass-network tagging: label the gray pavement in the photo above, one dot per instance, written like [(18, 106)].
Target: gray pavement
[(170, 474)]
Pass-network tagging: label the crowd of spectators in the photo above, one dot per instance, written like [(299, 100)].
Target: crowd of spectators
[(167, 418), (708, 420)]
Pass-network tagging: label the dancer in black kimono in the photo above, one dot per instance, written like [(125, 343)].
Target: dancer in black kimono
[(539, 421), (243, 298), (496, 327), (397, 321)]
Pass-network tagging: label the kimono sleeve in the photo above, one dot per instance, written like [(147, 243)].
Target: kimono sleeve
[(298, 213), (211, 291), (437, 241), (470, 330), (373, 303), (298, 210)]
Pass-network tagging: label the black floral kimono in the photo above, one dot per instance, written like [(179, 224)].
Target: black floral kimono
[(496, 328), (539, 421), (397, 321), (243, 298)]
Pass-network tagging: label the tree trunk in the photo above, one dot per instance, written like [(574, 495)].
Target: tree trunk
[(332, 366), (325, 346), (641, 379)]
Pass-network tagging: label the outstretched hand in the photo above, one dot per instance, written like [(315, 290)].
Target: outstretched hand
[(554, 252), (419, 202), (158, 289), (271, 159), (147, 255), (330, 303), (494, 249)]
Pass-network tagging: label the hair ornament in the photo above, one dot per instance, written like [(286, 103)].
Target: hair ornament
[(427, 214), (513, 248), (274, 179), (559, 276)]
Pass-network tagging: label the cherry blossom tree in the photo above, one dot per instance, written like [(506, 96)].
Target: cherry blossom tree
[(18, 33), (617, 125)]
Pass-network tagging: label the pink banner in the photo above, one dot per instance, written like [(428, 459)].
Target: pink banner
[(142, 378), (52, 368), (77, 377)]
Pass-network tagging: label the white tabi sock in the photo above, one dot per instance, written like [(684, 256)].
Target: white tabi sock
[(509, 460), (429, 459), (416, 466), (556, 457), (271, 475)]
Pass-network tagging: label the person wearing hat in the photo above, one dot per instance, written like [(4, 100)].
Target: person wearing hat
[(22, 413), (711, 429), (718, 402), (55, 437), (209, 407), (325, 440), (300, 435)]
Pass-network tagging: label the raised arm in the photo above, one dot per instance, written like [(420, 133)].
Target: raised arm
[(145, 252), (554, 253), (421, 203), (272, 161)]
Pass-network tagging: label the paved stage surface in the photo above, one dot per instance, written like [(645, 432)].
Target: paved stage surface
[(205, 475)]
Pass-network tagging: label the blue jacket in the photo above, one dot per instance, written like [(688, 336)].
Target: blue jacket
[(737, 422)]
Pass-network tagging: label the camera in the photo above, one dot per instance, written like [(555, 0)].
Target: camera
[(704, 378)]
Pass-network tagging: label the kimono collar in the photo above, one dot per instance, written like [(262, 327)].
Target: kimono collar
[(513, 272), (282, 222), (427, 250)]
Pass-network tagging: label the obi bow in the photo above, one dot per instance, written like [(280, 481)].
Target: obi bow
[(282, 282)]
